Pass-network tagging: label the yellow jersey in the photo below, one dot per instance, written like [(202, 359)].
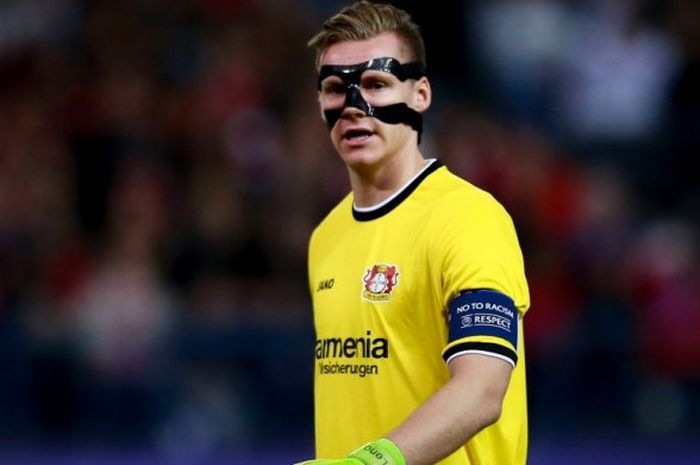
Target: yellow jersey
[(433, 272)]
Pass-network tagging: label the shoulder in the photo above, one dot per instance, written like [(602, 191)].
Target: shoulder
[(455, 198)]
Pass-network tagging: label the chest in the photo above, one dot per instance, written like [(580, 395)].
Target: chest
[(373, 274)]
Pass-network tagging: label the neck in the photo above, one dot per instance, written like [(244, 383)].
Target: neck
[(372, 185)]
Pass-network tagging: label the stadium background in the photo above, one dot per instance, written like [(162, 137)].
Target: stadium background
[(162, 163)]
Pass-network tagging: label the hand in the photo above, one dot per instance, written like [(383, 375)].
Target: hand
[(345, 461), (382, 452)]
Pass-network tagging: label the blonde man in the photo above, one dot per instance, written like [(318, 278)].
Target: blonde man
[(417, 277)]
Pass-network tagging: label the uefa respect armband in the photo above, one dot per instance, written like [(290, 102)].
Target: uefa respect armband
[(483, 321)]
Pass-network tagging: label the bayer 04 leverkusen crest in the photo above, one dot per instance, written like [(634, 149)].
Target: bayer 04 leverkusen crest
[(380, 281)]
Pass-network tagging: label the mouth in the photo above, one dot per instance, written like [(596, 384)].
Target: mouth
[(357, 135)]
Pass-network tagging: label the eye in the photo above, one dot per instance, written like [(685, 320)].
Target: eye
[(332, 87), (374, 84)]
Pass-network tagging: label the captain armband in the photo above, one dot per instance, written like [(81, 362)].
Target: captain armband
[(483, 321)]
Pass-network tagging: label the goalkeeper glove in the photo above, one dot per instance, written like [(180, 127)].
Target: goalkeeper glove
[(381, 452)]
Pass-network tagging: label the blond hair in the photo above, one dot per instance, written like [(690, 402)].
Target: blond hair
[(364, 20)]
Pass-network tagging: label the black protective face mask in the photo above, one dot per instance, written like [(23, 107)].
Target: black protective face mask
[(351, 76)]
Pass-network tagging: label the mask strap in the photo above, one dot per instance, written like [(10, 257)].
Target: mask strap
[(353, 73), (351, 76)]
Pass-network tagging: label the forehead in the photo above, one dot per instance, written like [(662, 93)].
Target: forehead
[(386, 44)]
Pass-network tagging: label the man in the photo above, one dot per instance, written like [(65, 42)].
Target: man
[(416, 276)]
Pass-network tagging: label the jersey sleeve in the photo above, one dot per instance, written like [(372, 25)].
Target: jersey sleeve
[(484, 288)]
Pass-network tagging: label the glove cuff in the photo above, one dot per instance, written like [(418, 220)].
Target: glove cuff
[(381, 452)]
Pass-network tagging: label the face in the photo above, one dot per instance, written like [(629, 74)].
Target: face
[(359, 137)]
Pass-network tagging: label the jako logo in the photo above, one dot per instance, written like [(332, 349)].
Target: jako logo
[(325, 284)]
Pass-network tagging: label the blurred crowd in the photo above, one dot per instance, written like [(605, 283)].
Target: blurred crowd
[(163, 162)]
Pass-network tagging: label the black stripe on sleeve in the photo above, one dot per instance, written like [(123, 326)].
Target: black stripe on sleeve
[(496, 349)]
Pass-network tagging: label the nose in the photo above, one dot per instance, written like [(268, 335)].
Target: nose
[(354, 99), (352, 112)]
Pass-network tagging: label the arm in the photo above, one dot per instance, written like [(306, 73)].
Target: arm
[(469, 402), (466, 404)]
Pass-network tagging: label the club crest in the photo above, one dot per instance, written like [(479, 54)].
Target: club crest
[(380, 280)]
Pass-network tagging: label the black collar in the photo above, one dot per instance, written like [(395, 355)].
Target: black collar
[(368, 215)]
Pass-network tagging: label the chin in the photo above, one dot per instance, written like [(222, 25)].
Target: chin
[(358, 158)]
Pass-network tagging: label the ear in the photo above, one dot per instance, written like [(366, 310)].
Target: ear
[(423, 95)]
